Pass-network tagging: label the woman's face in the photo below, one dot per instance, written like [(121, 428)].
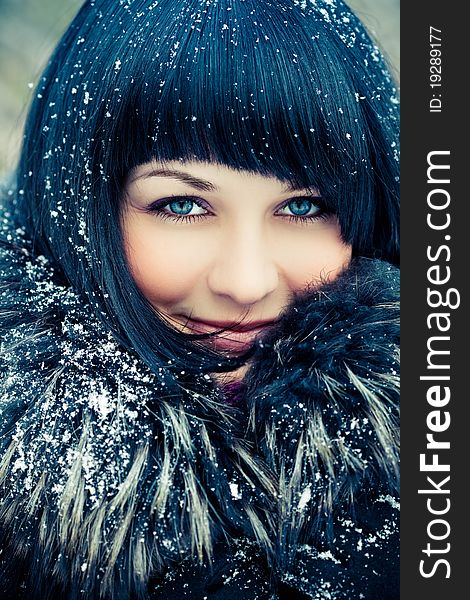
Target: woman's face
[(215, 248)]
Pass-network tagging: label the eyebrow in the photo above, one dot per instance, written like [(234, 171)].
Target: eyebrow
[(198, 183), (294, 187), (195, 182)]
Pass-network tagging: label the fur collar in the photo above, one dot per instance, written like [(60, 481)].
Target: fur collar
[(108, 468)]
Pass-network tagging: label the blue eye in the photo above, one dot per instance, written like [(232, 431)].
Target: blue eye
[(179, 208), (184, 207), (300, 207)]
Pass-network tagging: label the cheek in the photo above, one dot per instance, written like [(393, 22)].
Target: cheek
[(163, 264), (316, 259)]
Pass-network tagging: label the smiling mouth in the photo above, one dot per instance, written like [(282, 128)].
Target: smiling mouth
[(233, 337)]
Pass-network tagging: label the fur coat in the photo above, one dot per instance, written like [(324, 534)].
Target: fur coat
[(117, 482)]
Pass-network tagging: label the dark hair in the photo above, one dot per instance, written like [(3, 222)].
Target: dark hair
[(289, 88)]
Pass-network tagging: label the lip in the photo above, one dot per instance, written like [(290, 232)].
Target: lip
[(236, 337)]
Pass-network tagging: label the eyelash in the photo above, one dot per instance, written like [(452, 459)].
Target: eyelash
[(157, 208)]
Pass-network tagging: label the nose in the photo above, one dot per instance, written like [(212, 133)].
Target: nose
[(245, 270)]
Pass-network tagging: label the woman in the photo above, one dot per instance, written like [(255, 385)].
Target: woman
[(199, 309)]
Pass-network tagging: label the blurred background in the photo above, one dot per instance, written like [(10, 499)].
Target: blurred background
[(29, 29)]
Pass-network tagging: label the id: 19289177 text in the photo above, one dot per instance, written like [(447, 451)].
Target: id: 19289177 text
[(435, 69)]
